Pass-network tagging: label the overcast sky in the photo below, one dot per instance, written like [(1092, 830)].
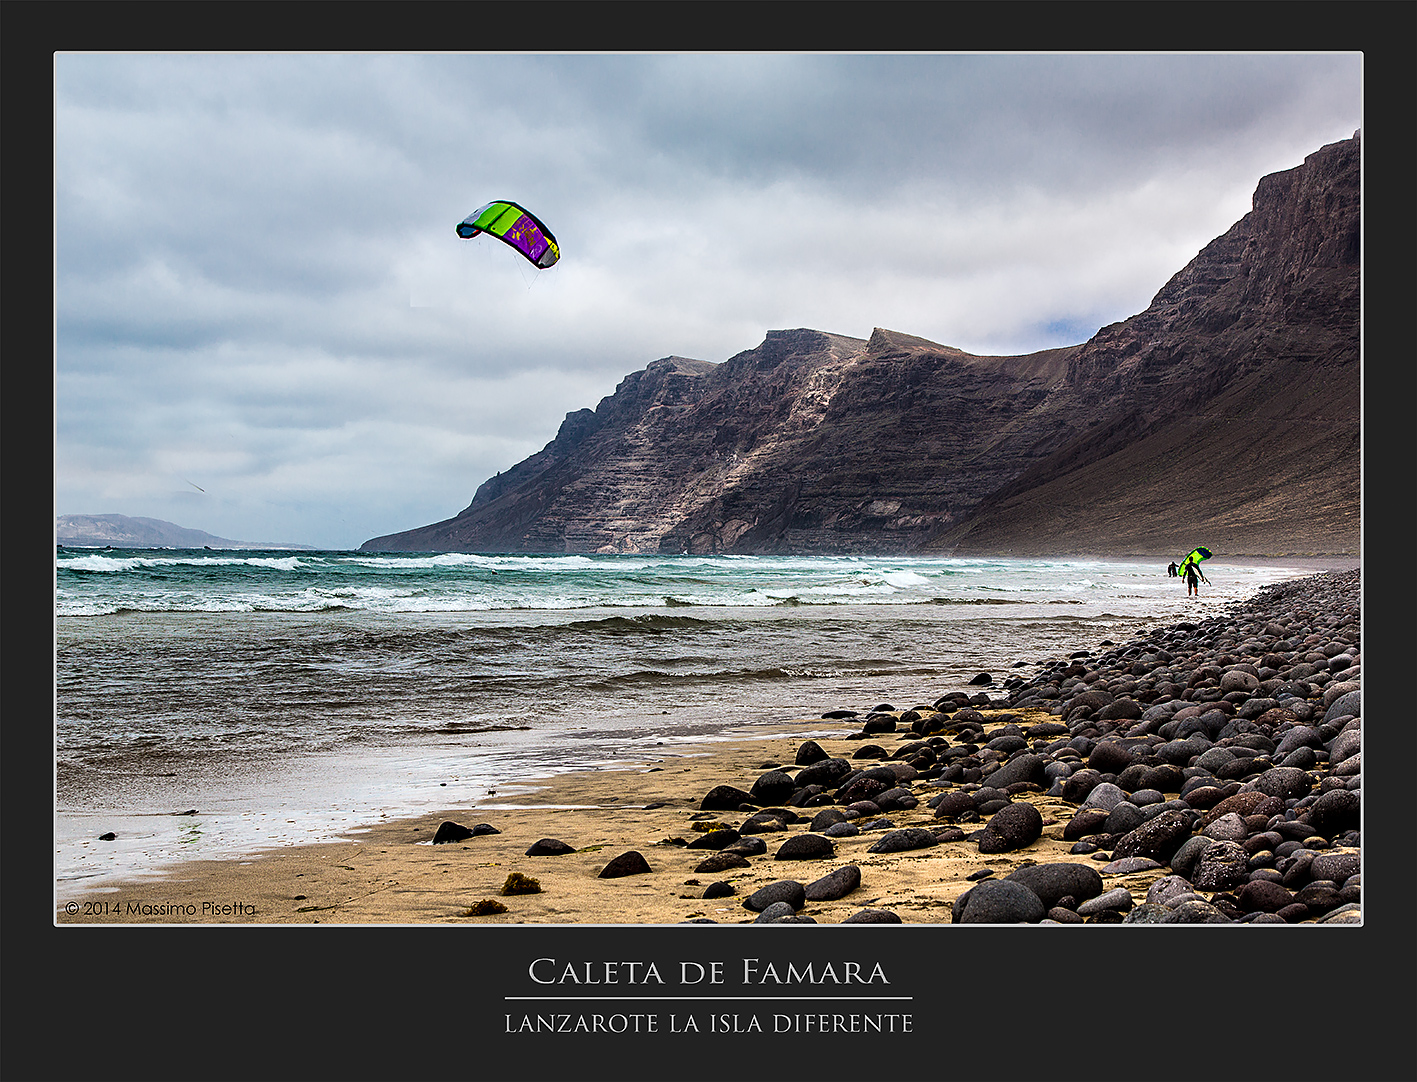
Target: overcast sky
[(267, 328)]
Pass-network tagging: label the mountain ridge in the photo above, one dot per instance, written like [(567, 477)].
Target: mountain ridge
[(124, 531), (1226, 411)]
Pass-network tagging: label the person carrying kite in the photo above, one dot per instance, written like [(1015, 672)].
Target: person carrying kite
[(1191, 571)]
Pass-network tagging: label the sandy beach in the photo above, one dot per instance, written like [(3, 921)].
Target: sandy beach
[(392, 873)]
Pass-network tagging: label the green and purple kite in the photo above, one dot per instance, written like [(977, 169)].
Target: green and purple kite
[(515, 226)]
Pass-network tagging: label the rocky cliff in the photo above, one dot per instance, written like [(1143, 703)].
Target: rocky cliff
[(1226, 414)]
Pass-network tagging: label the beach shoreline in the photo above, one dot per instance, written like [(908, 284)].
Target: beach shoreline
[(391, 873)]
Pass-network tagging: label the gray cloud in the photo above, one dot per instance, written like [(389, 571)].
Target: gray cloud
[(258, 280)]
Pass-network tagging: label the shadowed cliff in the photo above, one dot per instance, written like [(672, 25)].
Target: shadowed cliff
[(1226, 414)]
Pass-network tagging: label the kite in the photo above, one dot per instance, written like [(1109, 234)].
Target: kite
[(1194, 560), (514, 226)]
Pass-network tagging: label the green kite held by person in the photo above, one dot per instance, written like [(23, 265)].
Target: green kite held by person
[(1191, 571)]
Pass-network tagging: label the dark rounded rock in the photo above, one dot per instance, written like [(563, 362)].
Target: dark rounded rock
[(873, 916), (774, 787), (1086, 821), (1183, 861), (724, 798), (774, 913), (834, 885), (1260, 895), (871, 751), (1345, 745), (1119, 899), (825, 818), (1027, 767), (722, 861), (1300, 736), (788, 891), (1337, 867), (1350, 702), (841, 830), (722, 889), (1000, 901), (715, 839), (826, 772), (1128, 865), (1125, 817), (1285, 782), (1163, 890), (1320, 897), (810, 752), (1336, 811), (1105, 794), (861, 788), (1180, 752), (1078, 785), (1243, 803), (1146, 913), (1202, 797), (1164, 777), (805, 847), (451, 832), (1228, 828), (898, 799), (1195, 912), (549, 847), (898, 841), (747, 847), (1157, 838), (758, 824), (1221, 866), (1120, 709), (631, 863), (1057, 880), (1018, 825), (1007, 743), (484, 828)]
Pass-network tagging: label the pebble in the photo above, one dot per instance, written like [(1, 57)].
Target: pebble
[(873, 916), (631, 863), (1128, 865), (806, 847), (999, 901), (783, 891), (1016, 826), (1119, 899), (549, 847), (834, 885), (897, 841)]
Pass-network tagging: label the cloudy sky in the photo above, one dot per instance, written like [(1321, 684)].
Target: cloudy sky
[(266, 327)]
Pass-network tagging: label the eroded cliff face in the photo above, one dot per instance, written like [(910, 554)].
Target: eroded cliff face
[(811, 442), (1234, 413), (1226, 413)]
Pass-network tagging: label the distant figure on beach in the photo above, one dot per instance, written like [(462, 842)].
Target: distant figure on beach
[(1191, 571), (1171, 569)]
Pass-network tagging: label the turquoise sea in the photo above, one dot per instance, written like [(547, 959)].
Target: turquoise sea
[(290, 696)]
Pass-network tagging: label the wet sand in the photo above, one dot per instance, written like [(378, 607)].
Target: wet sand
[(392, 874)]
